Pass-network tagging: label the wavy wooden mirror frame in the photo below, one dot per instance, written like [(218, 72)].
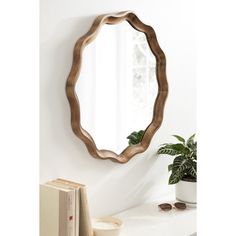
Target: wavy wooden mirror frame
[(158, 110)]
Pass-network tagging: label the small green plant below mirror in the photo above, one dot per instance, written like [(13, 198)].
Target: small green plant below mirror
[(135, 137), (184, 166)]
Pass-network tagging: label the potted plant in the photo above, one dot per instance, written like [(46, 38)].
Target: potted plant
[(184, 167)]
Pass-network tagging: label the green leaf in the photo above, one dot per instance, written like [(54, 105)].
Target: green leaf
[(170, 167), (179, 138), (135, 137), (178, 146), (180, 167), (165, 144), (193, 172), (181, 164), (132, 135), (168, 151), (193, 148), (174, 149), (194, 153), (190, 141), (191, 137), (175, 177)]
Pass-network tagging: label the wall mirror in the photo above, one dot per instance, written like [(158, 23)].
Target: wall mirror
[(117, 85)]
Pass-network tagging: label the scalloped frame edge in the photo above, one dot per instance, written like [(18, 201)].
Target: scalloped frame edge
[(159, 104)]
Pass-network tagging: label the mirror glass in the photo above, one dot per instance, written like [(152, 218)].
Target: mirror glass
[(117, 86)]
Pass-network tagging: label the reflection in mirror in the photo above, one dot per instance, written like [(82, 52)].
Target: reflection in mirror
[(117, 86)]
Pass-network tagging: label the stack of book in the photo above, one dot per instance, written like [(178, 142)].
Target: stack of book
[(64, 209)]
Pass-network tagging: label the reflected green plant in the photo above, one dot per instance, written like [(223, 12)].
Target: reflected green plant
[(135, 137)]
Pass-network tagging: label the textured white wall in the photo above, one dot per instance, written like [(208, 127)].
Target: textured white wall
[(112, 187)]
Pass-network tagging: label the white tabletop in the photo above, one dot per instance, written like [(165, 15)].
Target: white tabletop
[(149, 220)]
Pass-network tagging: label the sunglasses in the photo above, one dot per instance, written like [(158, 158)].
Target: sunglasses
[(168, 206)]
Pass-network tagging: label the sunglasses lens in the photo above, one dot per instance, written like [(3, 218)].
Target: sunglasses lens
[(180, 205), (165, 206)]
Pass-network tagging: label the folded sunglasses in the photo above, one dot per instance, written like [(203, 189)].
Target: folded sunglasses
[(168, 206)]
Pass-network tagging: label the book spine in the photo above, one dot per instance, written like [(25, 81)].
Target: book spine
[(62, 213), (85, 221), (49, 211), (77, 212), (71, 213)]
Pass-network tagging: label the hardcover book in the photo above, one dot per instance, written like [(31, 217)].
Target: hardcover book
[(64, 209), (56, 211)]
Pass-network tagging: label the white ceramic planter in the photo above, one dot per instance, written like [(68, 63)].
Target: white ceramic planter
[(186, 192)]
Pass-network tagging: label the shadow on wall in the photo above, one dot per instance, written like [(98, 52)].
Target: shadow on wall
[(56, 53), (140, 180), (111, 187), (55, 63)]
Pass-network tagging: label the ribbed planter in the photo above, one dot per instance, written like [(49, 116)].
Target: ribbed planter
[(186, 191)]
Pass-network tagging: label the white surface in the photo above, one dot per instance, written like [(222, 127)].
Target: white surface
[(112, 187), (149, 220)]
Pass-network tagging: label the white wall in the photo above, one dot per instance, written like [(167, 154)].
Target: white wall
[(112, 187)]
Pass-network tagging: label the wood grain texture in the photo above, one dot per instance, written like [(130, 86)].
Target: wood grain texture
[(158, 110)]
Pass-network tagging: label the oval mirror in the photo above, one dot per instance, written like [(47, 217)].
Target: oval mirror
[(118, 101)]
